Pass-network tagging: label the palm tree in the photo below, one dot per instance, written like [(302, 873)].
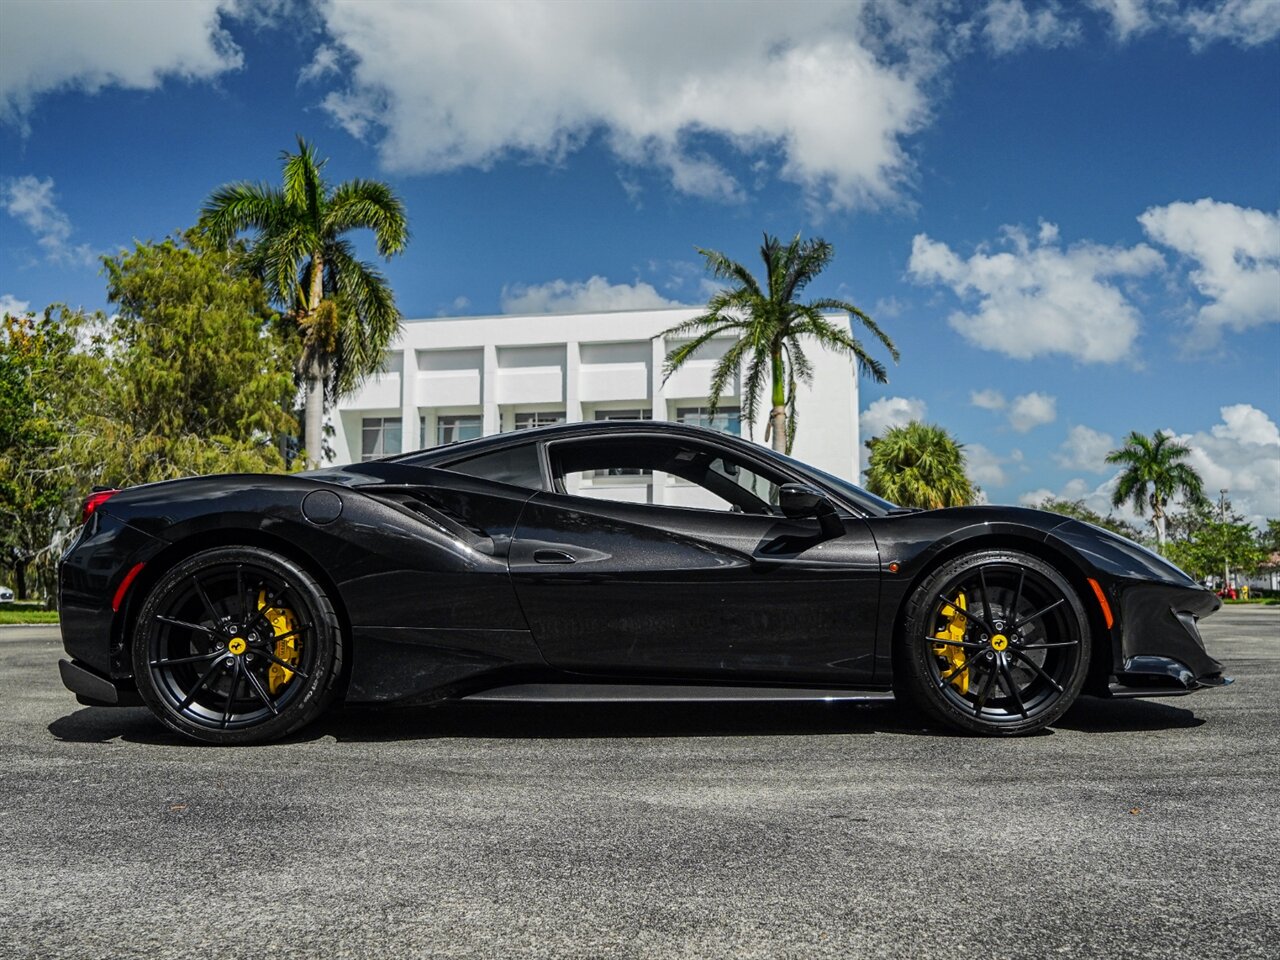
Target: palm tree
[(345, 312), (770, 324), (919, 465), (1153, 474)]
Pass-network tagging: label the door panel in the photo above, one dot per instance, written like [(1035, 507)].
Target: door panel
[(611, 587)]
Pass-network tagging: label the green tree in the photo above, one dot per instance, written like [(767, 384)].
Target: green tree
[(39, 369), (344, 310), (1219, 546), (1269, 539), (919, 465), (1153, 474), (770, 326), (196, 378), (1078, 510)]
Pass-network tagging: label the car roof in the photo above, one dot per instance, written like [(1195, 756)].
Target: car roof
[(556, 431)]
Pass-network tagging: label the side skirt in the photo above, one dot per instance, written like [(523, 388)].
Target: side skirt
[(665, 693)]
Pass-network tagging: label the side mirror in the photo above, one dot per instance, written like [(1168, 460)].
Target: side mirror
[(799, 501)]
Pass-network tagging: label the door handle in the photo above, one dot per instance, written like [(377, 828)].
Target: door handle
[(553, 556)]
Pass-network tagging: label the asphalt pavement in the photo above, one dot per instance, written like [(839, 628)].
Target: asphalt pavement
[(1131, 829)]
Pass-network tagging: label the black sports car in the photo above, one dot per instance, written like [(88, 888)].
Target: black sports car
[(609, 561)]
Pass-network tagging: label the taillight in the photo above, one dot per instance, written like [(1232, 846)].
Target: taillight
[(94, 501)]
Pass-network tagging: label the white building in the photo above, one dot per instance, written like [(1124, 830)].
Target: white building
[(449, 379)]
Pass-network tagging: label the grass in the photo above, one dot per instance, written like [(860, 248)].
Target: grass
[(24, 614)]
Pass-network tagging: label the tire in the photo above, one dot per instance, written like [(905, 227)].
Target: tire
[(995, 643), (207, 677)]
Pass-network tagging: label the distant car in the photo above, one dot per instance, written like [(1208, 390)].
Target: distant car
[(624, 560), (6, 595)]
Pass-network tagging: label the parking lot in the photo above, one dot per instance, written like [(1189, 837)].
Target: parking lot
[(1132, 829)]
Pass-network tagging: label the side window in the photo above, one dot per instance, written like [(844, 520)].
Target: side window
[(673, 473), (516, 465), (757, 484)]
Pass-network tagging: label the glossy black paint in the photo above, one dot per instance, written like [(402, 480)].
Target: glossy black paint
[(449, 584), (670, 592)]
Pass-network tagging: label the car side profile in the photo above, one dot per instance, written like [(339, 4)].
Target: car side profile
[(616, 560)]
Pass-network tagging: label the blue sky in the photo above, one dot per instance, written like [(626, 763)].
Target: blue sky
[(1064, 213)]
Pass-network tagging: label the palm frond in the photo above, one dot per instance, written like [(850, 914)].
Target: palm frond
[(842, 341), (679, 355), (726, 368), (723, 268), (369, 319), (372, 205), (240, 206), (827, 303), (304, 188)]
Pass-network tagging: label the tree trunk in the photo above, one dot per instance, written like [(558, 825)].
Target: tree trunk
[(20, 579), (778, 415), (1157, 519), (313, 437)]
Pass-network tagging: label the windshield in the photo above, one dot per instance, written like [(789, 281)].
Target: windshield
[(876, 506)]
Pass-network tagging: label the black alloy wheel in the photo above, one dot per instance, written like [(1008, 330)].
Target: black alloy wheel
[(994, 642), (237, 645)]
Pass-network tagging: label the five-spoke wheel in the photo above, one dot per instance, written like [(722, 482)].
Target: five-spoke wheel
[(236, 645), (994, 642)]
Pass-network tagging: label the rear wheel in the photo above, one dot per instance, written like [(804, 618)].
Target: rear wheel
[(994, 642), (237, 645)]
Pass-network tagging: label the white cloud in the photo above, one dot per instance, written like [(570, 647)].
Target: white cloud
[(1249, 23), (1096, 496), (582, 296), (1237, 252), (1129, 18), (1086, 449), (1032, 410), (1244, 423), (889, 412), (324, 62), (32, 202), (88, 45), (1033, 498), (987, 399), (442, 86), (1009, 26), (984, 467), (1242, 455), (12, 305), (1041, 300)]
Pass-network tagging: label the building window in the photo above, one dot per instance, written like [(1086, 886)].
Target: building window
[(726, 419), (542, 418), (379, 436), (623, 415), (454, 429)]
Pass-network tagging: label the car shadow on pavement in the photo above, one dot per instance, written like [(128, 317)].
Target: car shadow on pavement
[(559, 721), (527, 721), (574, 721), (1098, 715)]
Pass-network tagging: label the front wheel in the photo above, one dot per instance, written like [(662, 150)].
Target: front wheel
[(237, 645), (993, 642)]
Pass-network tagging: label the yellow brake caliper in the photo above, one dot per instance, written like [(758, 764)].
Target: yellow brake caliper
[(954, 630), (283, 624)]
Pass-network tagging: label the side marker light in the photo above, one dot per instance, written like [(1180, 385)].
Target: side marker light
[(124, 586), (1102, 602)]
